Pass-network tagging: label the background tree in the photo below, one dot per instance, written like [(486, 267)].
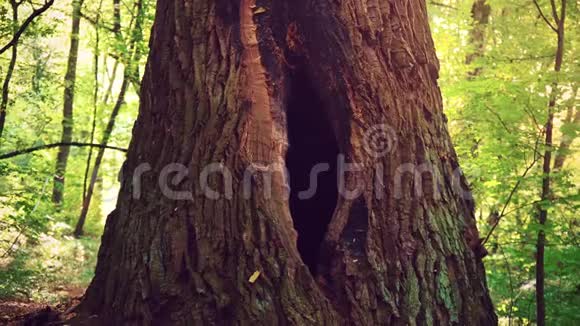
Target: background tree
[(546, 194), (37, 257), (17, 31), (69, 95), (130, 57), (498, 126)]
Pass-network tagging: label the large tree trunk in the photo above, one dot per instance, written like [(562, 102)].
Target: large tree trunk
[(228, 86), (67, 110)]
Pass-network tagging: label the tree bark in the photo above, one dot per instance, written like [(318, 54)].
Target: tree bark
[(231, 83), (67, 111)]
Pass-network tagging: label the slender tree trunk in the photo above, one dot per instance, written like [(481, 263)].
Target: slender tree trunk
[(117, 20), (67, 112), (99, 159), (118, 39), (572, 117), (543, 217), (95, 99), (546, 169), (229, 85), (480, 11), (129, 74), (6, 84), (109, 90)]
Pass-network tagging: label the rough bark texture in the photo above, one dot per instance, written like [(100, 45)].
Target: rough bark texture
[(67, 110), (222, 77)]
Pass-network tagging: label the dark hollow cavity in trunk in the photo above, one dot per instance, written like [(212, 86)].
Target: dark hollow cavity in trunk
[(312, 154)]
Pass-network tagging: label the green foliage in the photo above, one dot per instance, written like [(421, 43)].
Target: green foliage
[(496, 106), (50, 271), (39, 259), (497, 118)]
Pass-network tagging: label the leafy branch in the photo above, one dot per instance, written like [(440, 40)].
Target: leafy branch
[(24, 26), (513, 191), (47, 146), (544, 16)]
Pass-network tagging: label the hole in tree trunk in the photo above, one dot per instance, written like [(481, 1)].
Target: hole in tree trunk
[(312, 142)]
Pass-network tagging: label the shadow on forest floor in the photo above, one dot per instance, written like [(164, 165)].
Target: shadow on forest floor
[(17, 312)]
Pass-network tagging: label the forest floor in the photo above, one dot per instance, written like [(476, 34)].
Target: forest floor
[(11, 311), (14, 312), (45, 277)]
